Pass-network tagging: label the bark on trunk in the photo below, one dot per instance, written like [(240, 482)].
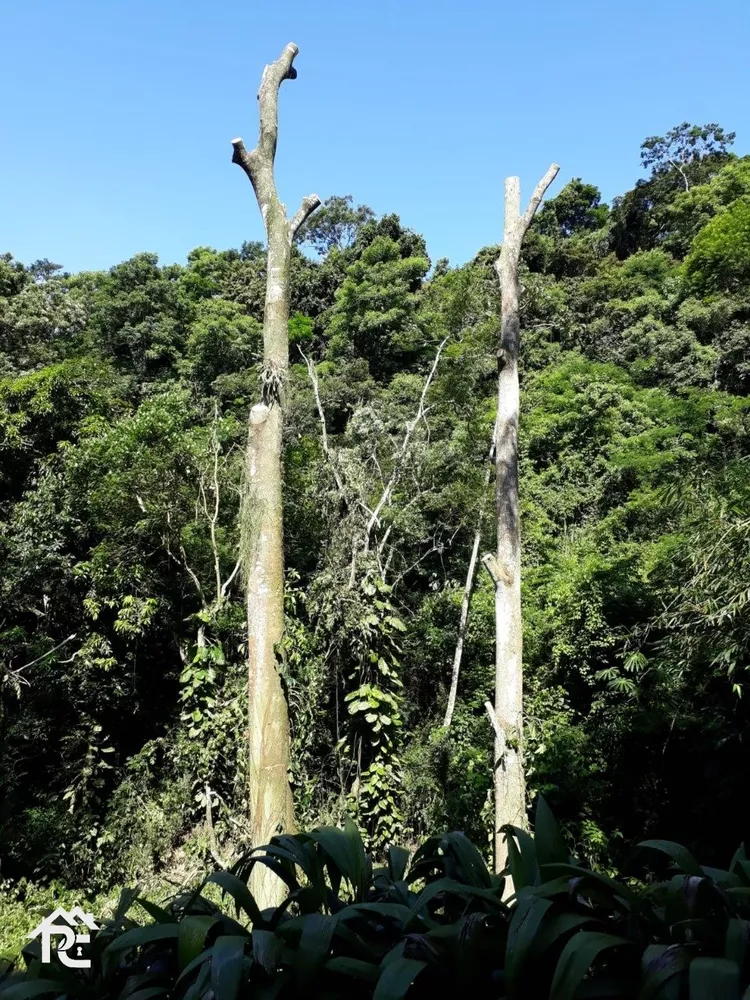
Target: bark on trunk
[(271, 810), (505, 565)]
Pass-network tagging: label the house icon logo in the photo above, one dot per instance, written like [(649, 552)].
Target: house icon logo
[(61, 922)]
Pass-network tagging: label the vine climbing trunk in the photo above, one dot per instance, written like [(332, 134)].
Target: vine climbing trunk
[(505, 565), (271, 810)]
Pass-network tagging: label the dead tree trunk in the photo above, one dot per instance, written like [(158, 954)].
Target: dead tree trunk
[(505, 565), (262, 522)]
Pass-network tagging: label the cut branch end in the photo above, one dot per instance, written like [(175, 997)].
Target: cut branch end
[(308, 206), (259, 413), (492, 566)]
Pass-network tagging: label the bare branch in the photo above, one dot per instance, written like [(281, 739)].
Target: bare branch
[(324, 432), (213, 518), (435, 547), (229, 580), (192, 575), (490, 563), (387, 492), (466, 601), (17, 670), (499, 734), (306, 209), (244, 159), (182, 563), (459, 650), (384, 541), (376, 463), (536, 198), (353, 564), (682, 173)]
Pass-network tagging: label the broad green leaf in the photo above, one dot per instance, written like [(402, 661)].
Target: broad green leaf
[(138, 936), (196, 963), (228, 966), (32, 988), (136, 984), (135, 938), (354, 967), (301, 850), (660, 965), (197, 989), (741, 868), (522, 862), (714, 979), (556, 927), (299, 858), (267, 949), (398, 859), (239, 892), (191, 938), (346, 851), (739, 855), (737, 940), (277, 866), (575, 961), (396, 978), (314, 947), (469, 859), (148, 994), (457, 890), (160, 915), (614, 887), (721, 877), (524, 926), (126, 900), (679, 854), (550, 845)]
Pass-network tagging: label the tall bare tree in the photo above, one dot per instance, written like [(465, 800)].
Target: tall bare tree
[(505, 566), (271, 809)]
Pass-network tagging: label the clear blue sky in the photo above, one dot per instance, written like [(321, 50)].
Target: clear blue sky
[(117, 115)]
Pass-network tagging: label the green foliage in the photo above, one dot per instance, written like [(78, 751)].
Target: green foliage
[(706, 622), (375, 312), (335, 225), (719, 260), (691, 210), (683, 146), (24, 904), (434, 921), (122, 625)]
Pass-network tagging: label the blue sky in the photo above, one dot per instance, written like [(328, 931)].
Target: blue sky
[(117, 115)]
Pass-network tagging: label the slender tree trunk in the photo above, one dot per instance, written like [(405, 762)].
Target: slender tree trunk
[(271, 810), (468, 586), (505, 565)]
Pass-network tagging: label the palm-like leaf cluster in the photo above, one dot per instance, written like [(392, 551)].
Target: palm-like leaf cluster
[(433, 924)]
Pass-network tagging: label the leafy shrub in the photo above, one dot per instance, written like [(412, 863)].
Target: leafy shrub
[(435, 923)]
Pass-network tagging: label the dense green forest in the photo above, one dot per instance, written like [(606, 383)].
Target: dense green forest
[(123, 644)]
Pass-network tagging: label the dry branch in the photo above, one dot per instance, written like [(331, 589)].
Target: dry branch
[(466, 601), (396, 472)]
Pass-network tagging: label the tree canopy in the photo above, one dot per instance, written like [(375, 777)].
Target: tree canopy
[(125, 396)]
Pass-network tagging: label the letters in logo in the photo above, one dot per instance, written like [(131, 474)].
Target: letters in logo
[(61, 923)]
